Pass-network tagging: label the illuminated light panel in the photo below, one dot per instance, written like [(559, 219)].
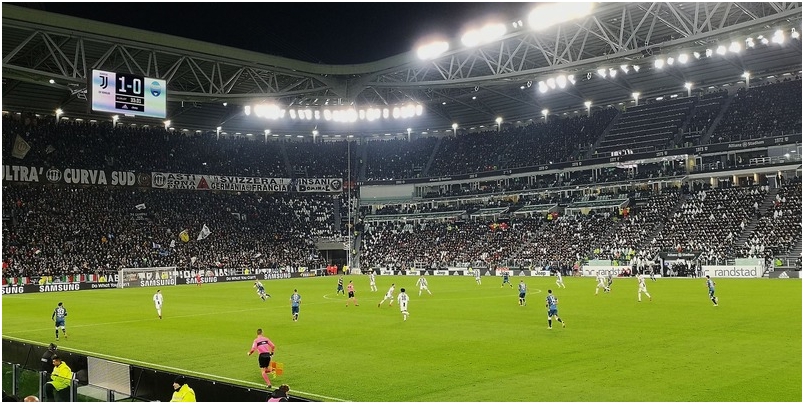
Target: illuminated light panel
[(432, 50), (548, 15)]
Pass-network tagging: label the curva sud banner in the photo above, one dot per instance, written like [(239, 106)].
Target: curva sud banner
[(41, 175), (204, 182)]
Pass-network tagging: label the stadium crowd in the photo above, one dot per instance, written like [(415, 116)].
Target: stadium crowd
[(57, 230), (761, 111)]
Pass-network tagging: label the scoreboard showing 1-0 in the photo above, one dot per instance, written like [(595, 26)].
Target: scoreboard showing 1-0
[(128, 94)]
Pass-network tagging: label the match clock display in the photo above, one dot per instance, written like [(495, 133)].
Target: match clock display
[(128, 94)]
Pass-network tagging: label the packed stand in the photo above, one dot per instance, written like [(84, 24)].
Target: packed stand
[(71, 144), (322, 159), (710, 221), (537, 143), (762, 111), (629, 238), (778, 230), (555, 141), (64, 230), (398, 158), (402, 244)]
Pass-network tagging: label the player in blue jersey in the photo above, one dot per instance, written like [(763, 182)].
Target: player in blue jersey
[(295, 303), (552, 310), (711, 285), (506, 280), (261, 290), (340, 286), (59, 315), (522, 290)]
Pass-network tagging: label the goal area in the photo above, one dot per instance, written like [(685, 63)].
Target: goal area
[(144, 277)]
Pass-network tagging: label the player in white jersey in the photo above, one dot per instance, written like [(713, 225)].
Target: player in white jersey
[(403, 303), (642, 288), (560, 280), (601, 283), (477, 277), (422, 283), (158, 303), (372, 283), (388, 296)]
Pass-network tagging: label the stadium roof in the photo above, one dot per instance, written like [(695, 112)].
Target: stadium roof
[(468, 86)]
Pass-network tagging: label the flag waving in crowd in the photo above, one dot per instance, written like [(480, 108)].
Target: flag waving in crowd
[(205, 232)]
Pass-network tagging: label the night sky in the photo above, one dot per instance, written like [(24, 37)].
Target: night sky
[(328, 33)]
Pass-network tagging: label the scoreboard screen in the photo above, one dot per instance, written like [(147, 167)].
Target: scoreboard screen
[(128, 94)]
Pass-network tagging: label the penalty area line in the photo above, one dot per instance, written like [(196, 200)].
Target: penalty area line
[(173, 369)]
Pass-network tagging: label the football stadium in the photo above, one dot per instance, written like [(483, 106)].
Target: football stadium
[(533, 202)]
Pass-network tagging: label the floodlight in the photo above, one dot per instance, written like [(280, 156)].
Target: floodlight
[(696, 54), (247, 110), (419, 110), (682, 58), (551, 82), (542, 87), (471, 38), (636, 68), (688, 85), (708, 53), (315, 132), (749, 43), (624, 68), (735, 47), (571, 79), (492, 32), (292, 114), (547, 15), (317, 114), (498, 120), (395, 112), (59, 111), (601, 73), (721, 50), (167, 123), (612, 73), (545, 111), (635, 95), (327, 115), (385, 113), (670, 61), (778, 37), (432, 50), (746, 75), (587, 104), (561, 81), (658, 63), (794, 34), (51, 81)]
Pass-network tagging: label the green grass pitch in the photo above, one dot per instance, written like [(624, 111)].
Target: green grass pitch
[(466, 342)]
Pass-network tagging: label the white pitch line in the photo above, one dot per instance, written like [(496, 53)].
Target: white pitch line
[(149, 319), (177, 370)]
